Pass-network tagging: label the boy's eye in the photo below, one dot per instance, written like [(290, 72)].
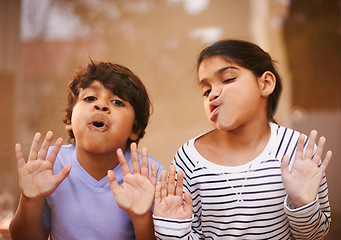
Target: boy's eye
[(118, 102), (90, 98)]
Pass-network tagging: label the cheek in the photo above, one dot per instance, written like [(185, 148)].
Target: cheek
[(128, 119), (206, 107), (76, 116)]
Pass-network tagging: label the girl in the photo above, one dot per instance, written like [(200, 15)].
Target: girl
[(249, 178)]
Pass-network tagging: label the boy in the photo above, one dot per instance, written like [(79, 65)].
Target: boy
[(108, 111)]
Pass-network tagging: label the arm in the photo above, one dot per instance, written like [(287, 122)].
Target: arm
[(36, 181), (302, 184), (136, 195)]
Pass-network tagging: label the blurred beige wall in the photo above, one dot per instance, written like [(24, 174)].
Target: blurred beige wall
[(10, 69)]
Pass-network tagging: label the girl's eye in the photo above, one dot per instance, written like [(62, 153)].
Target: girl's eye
[(206, 93), (118, 102), (229, 80), (90, 98)]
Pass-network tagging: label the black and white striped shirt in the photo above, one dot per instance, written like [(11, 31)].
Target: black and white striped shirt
[(245, 202)]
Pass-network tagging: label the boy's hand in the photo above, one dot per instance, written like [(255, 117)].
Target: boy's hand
[(136, 195), (169, 202), (303, 181), (36, 177)]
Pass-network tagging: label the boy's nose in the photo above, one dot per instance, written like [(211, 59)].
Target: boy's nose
[(101, 107)]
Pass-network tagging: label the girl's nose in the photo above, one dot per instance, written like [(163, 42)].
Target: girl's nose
[(215, 93)]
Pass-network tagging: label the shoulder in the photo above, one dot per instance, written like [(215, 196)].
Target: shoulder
[(66, 155), (158, 164), (187, 157), (283, 140), (281, 133), (64, 149)]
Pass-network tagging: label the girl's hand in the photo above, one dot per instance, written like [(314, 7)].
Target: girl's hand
[(303, 181), (136, 195), (169, 202), (36, 177)]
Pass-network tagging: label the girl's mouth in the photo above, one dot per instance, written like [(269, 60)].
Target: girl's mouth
[(213, 110), (213, 107)]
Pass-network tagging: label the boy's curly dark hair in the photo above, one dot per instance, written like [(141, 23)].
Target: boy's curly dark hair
[(119, 79)]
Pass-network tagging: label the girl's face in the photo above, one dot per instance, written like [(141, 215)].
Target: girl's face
[(233, 97)]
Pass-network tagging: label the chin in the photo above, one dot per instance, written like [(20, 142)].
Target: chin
[(225, 127)]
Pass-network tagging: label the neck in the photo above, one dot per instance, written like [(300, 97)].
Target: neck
[(234, 148), (97, 164), (248, 137)]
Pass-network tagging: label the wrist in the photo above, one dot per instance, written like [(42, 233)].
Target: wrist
[(143, 226), (140, 217), (301, 201), (32, 201)]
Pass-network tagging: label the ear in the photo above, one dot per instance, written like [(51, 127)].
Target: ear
[(134, 136), (267, 83), (68, 127)]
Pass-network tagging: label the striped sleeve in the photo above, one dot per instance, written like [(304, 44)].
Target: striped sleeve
[(171, 228), (313, 220), (183, 161), (308, 222)]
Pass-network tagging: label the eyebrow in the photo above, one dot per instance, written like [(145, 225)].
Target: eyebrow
[(219, 71)]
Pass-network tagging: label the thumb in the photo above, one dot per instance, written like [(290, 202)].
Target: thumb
[(63, 173), (112, 181), (285, 165), (157, 192), (188, 202)]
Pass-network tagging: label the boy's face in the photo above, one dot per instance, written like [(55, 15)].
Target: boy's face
[(232, 95), (101, 121)]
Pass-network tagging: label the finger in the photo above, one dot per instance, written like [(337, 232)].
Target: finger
[(19, 155), (34, 147), (112, 181), (300, 146), (319, 150), (123, 162), (145, 163), (63, 174), (326, 161), (45, 146), (285, 166), (171, 180), (135, 158), (163, 183), (55, 150), (153, 177), (179, 183), (188, 202), (157, 192), (311, 145)]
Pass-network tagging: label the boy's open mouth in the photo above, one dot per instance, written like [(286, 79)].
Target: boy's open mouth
[(98, 125)]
